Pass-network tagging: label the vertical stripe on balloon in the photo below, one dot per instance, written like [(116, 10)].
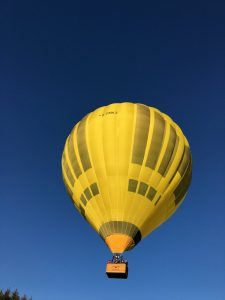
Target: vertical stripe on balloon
[(72, 155), (67, 170), (185, 161), (183, 185), (169, 151), (82, 144), (141, 133), (157, 140)]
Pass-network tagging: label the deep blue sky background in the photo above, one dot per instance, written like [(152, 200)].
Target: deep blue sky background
[(59, 61)]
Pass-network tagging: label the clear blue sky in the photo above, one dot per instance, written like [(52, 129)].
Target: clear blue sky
[(59, 61)]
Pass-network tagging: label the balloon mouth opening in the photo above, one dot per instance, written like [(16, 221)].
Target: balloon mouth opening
[(118, 243)]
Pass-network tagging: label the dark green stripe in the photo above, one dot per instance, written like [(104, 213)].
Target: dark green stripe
[(141, 133), (94, 189), (157, 140), (151, 193), (82, 211), (82, 144), (182, 194), (67, 170), (173, 156), (87, 194), (122, 227), (72, 156), (178, 167), (183, 185), (83, 200), (185, 161), (169, 151), (142, 188), (132, 185)]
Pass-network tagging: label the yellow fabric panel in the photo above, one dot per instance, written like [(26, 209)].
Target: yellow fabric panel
[(110, 152), (164, 145), (125, 125), (126, 166), (95, 141)]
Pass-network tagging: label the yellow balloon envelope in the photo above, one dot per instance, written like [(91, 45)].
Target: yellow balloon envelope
[(127, 168)]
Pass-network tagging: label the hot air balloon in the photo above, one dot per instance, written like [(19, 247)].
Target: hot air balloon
[(127, 167)]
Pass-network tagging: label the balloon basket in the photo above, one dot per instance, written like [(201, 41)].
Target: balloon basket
[(117, 267)]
